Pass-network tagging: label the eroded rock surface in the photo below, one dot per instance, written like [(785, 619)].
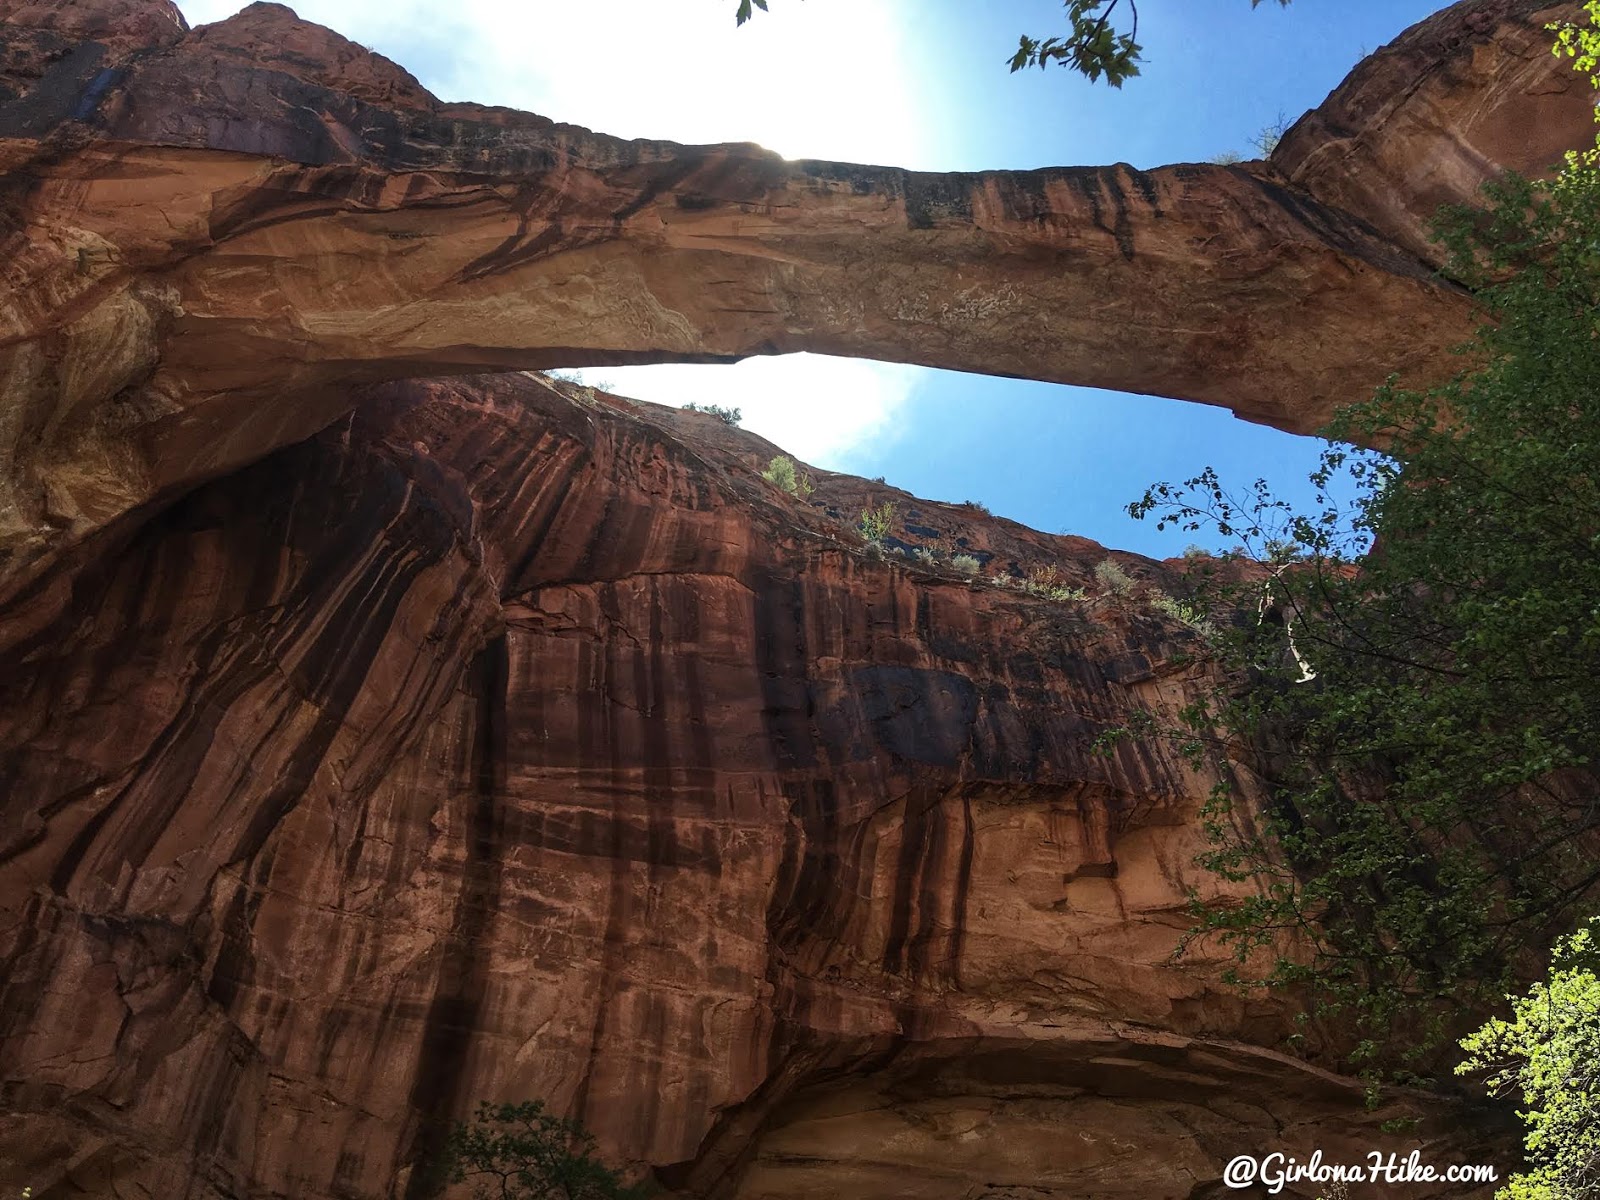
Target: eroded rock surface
[(212, 236), (509, 742), (499, 741), (1441, 110)]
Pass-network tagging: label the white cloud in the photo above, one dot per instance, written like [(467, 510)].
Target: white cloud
[(823, 410)]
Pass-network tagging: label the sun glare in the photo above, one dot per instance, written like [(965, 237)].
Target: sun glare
[(819, 79), (823, 79)]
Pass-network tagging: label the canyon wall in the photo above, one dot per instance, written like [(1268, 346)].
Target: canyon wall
[(373, 742), (506, 741)]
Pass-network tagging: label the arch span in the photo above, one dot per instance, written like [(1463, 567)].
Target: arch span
[(217, 236)]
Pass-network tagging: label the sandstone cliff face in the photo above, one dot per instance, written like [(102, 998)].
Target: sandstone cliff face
[(504, 742), (370, 744), (1475, 85)]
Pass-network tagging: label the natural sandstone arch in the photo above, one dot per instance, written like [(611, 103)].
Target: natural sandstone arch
[(497, 738), (213, 236)]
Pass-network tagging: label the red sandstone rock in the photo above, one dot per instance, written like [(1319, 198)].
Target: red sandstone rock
[(507, 742), (500, 742), (1476, 86), (53, 28)]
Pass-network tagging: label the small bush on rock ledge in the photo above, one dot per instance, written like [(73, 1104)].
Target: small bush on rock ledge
[(1048, 582), (781, 473), (728, 416), (876, 522), (1186, 611), (522, 1152), (1113, 580)]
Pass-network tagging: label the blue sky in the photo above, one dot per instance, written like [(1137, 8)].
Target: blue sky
[(921, 84)]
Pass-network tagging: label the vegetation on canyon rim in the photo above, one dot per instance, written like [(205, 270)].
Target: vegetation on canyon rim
[(1417, 683), (782, 473), (876, 522), (728, 416)]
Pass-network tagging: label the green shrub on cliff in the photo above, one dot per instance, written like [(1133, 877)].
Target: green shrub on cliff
[(1113, 580), (728, 416), (1050, 584), (522, 1152), (876, 522), (1185, 611), (781, 473)]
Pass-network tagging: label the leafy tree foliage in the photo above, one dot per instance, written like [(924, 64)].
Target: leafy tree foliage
[(522, 1152), (1581, 44), (1549, 1052), (1093, 45), (1421, 667)]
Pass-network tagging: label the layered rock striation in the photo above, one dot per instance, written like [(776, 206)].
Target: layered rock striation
[(507, 741), (373, 742)]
